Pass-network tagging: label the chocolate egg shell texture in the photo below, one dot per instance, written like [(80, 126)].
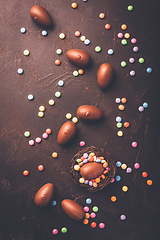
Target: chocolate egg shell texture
[(78, 57), (66, 133), (91, 170), (105, 75), (73, 209), (89, 113), (44, 195), (41, 16)]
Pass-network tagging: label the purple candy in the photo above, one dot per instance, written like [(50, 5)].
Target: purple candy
[(85, 155), (122, 217), (135, 49), (131, 60), (90, 183), (132, 73), (141, 109), (86, 181), (85, 161), (128, 170)]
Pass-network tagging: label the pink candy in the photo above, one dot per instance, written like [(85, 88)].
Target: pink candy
[(31, 142), (92, 215), (82, 143), (112, 181), (134, 144), (133, 40), (38, 140), (136, 165), (101, 225), (55, 231), (45, 135), (86, 209), (120, 35)]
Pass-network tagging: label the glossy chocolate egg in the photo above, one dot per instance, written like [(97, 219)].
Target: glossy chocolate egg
[(105, 75), (78, 57), (89, 113), (44, 195), (73, 209), (91, 170), (66, 133), (40, 16)]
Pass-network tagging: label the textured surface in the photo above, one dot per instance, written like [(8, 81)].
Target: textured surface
[(20, 218)]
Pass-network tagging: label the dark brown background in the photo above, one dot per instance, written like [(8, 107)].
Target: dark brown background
[(20, 218)]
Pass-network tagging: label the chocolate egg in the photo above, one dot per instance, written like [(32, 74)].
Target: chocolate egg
[(66, 133), (40, 16), (73, 209), (89, 113), (44, 195), (105, 75), (78, 57), (91, 170)]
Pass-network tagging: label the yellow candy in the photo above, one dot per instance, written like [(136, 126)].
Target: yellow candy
[(62, 36), (26, 52), (102, 158), (51, 102), (82, 38), (41, 108), (127, 35), (40, 114), (124, 166), (68, 115), (120, 133), (76, 167), (75, 119), (103, 161), (91, 154), (124, 188), (54, 154), (81, 180)]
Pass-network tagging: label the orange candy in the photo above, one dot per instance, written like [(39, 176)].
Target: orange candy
[(93, 224), (57, 62), (126, 124), (105, 172), (113, 199), (54, 154), (74, 5), (123, 100), (103, 176), (107, 26), (124, 27), (25, 172), (85, 221), (40, 168), (102, 15), (121, 107), (97, 180), (80, 71), (77, 33), (87, 215), (94, 184), (48, 131), (149, 182)]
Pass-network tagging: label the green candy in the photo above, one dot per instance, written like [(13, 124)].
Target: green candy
[(123, 64), (27, 134), (141, 60), (64, 230), (124, 42), (75, 73), (97, 49), (95, 209), (130, 8), (57, 94), (59, 51), (119, 125)]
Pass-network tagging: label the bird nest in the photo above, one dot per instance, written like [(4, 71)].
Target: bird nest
[(98, 155)]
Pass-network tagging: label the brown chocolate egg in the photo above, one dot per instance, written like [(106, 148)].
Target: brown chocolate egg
[(66, 133), (40, 16), (105, 75), (44, 195), (91, 170), (78, 57), (89, 113), (73, 209)]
